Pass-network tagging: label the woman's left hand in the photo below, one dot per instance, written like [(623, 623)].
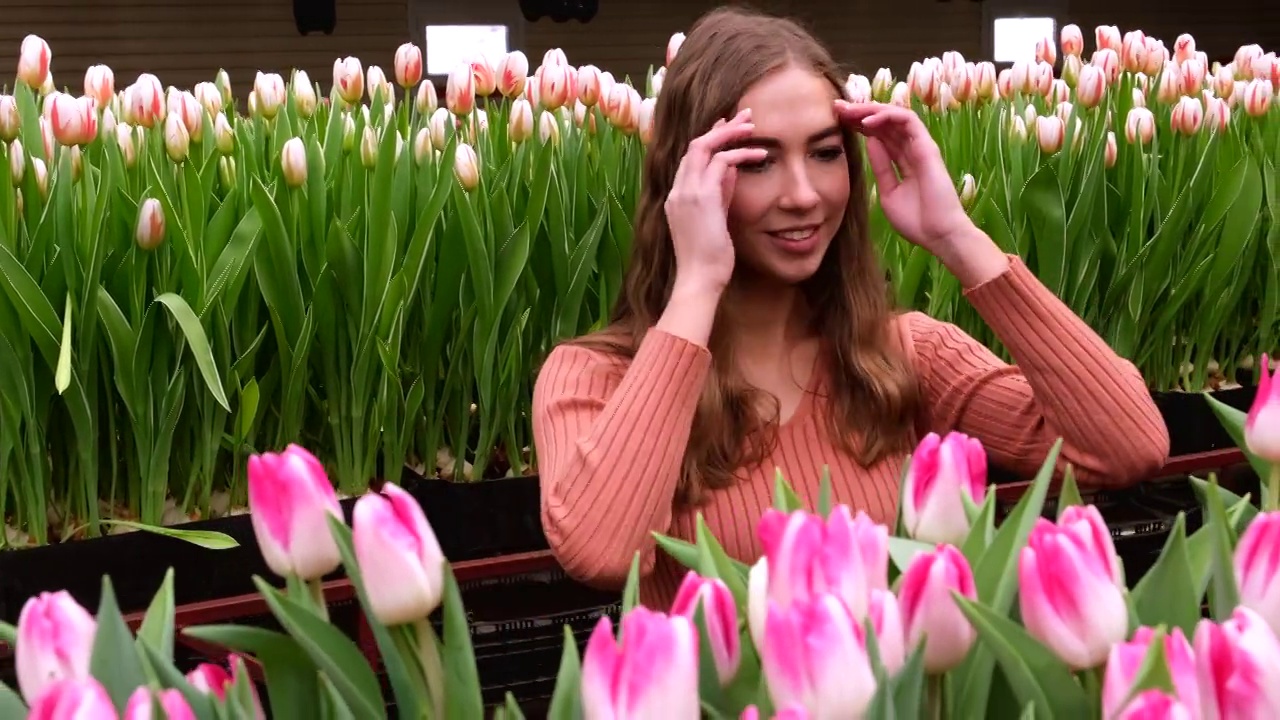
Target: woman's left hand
[(916, 191)]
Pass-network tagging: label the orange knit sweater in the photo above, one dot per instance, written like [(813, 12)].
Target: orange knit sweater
[(611, 434)]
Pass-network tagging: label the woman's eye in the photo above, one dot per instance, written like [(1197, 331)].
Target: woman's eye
[(829, 154), (755, 167)]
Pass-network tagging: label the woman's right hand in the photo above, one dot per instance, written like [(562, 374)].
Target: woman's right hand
[(698, 205)]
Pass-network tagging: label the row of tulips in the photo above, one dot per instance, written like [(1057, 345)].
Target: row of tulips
[(376, 273), (949, 615)]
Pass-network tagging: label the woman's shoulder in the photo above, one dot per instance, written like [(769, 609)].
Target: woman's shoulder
[(602, 351)]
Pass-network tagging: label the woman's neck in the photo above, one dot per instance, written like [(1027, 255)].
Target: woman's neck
[(767, 317)]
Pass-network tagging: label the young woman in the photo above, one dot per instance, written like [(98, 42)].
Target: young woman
[(755, 332)]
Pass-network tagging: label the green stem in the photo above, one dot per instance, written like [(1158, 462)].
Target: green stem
[(935, 692), (1273, 489)]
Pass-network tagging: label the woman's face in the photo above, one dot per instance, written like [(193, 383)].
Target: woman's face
[(786, 209)]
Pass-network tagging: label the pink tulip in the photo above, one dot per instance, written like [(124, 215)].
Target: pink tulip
[(55, 642), (651, 673), (1257, 568), (1238, 667), (791, 712), (348, 79), (1071, 587), (171, 702), (1155, 705), (1125, 661), (73, 699), (290, 497), (217, 680), (886, 622), (846, 554), (408, 65), (721, 613), (399, 556), (1262, 424), (33, 61), (74, 120), (929, 612), (942, 470), (512, 74), (460, 90), (815, 656)]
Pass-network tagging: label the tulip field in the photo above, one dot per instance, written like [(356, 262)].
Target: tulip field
[(191, 276), (213, 302)]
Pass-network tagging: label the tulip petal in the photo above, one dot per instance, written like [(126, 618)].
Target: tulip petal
[(600, 666)]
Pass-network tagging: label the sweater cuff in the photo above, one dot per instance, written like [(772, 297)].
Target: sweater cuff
[(992, 298)]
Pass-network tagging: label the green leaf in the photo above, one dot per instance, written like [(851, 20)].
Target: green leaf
[(731, 574), (1242, 510), (169, 677), (1069, 495), (824, 492), (686, 553), (903, 550), (462, 701), (208, 539), (157, 624), (333, 652), (1035, 674), (1233, 422), (114, 660), (199, 344), (566, 700), (631, 593), (291, 677), (11, 705), (1046, 213), (1166, 595), (784, 498), (8, 634), (1224, 593)]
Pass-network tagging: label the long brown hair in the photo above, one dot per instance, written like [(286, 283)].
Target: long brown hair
[(873, 395)]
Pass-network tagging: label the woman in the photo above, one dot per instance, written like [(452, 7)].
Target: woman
[(754, 333)]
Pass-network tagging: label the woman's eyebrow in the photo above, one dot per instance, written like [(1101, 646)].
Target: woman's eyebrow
[(762, 141)]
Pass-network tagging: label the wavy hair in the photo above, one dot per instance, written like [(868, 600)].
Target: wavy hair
[(873, 396)]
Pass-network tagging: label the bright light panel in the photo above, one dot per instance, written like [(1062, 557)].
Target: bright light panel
[(450, 45), (1015, 38)]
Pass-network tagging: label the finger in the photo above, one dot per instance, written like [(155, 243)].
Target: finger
[(882, 166), (703, 146), (728, 184), (725, 160), (855, 112)]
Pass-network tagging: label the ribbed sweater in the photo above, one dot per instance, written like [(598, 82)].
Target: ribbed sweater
[(611, 433)]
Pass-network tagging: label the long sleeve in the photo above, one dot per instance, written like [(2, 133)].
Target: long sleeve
[(1067, 383), (611, 440)]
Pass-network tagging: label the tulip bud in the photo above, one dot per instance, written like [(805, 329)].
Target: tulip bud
[(590, 86), (1112, 150), (901, 95), (223, 136), (100, 84), (1046, 52), (1156, 705), (673, 47), (929, 611), (857, 88), (651, 672), (304, 94), (227, 171), (814, 656), (74, 699), (9, 120), (1257, 97), (1125, 660), (426, 101), (1072, 40), (54, 643), (941, 471), (125, 140), (73, 121), (1217, 115), (348, 79), (223, 82), (1187, 116), (177, 143), (376, 84), (512, 74), (645, 129), (399, 556), (1133, 51), (149, 233), (968, 196), (886, 622), (520, 125), (1139, 126), (1262, 424), (1090, 86), (17, 162), (172, 704), (270, 92), (925, 83), (408, 65), (1238, 666), (422, 149), (466, 166), (1018, 129), (207, 94), (1109, 62), (721, 615), (460, 90), (553, 86), (369, 148), (293, 162), (548, 129), (439, 126), (290, 497), (1071, 67), (1063, 569), (41, 172), (145, 100), (33, 62)]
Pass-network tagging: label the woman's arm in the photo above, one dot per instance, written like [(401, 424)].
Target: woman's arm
[(611, 442), (1067, 383)]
